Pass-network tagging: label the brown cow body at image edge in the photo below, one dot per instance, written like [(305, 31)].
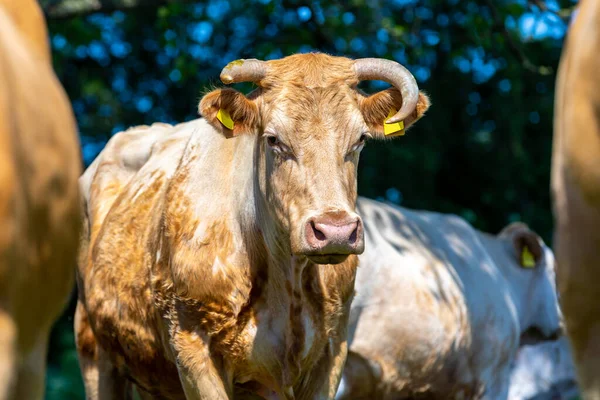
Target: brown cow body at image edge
[(39, 201), (221, 262), (576, 192)]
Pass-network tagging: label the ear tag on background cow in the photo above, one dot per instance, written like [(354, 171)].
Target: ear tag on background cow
[(527, 258), (395, 129), (225, 118)]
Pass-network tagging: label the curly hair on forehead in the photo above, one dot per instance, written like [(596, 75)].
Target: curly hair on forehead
[(310, 70)]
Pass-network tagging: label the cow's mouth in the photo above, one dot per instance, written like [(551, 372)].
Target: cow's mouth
[(535, 335), (328, 258)]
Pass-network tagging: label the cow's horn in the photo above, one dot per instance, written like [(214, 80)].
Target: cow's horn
[(251, 70), (394, 74)]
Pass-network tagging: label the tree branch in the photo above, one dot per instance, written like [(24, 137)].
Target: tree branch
[(64, 9), (513, 46)]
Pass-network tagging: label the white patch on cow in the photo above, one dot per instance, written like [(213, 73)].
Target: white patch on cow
[(158, 253), (218, 267), (309, 334), (251, 329), (538, 368)]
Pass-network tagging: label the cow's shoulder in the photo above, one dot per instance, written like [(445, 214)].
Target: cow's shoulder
[(163, 217), (209, 216)]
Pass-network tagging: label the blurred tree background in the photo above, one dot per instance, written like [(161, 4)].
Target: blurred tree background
[(482, 152)]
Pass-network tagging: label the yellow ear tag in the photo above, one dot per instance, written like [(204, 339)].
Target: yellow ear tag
[(225, 118), (527, 258), (395, 129)]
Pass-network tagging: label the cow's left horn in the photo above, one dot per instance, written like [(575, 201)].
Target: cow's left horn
[(251, 70), (394, 74)]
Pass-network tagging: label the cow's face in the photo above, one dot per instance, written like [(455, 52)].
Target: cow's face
[(311, 123), (529, 267)]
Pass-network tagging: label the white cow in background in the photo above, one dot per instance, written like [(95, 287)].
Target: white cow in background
[(441, 308)]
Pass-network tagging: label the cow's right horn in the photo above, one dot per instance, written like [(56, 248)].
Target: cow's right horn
[(395, 74), (251, 70)]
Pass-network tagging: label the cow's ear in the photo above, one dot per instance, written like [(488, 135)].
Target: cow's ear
[(378, 107), (229, 112), (528, 249)]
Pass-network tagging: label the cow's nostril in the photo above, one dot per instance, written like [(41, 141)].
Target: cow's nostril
[(354, 235), (318, 234)]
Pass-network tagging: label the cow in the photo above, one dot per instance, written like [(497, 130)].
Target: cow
[(575, 191), (441, 308), (40, 164), (224, 266)]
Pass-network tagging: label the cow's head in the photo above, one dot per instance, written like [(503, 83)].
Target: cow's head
[(529, 267), (311, 123)]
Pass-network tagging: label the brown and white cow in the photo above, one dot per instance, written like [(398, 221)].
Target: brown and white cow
[(224, 267), (39, 200), (441, 308), (576, 191)]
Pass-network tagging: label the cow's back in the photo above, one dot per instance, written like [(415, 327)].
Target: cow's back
[(576, 191), (120, 160), (39, 167)]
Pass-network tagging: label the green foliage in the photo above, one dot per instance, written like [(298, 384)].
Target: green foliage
[(482, 152)]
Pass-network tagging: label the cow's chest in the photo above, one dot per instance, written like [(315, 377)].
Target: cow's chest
[(285, 335), (286, 338), (271, 340), (268, 324)]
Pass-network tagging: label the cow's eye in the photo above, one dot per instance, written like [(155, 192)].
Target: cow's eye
[(361, 142), (278, 146), (273, 141)]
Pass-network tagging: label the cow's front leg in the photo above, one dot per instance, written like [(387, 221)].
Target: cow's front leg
[(202, 377), (339, 352), (323, 381)]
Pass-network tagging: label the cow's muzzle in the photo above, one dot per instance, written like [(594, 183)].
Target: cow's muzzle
[(332, 236)]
